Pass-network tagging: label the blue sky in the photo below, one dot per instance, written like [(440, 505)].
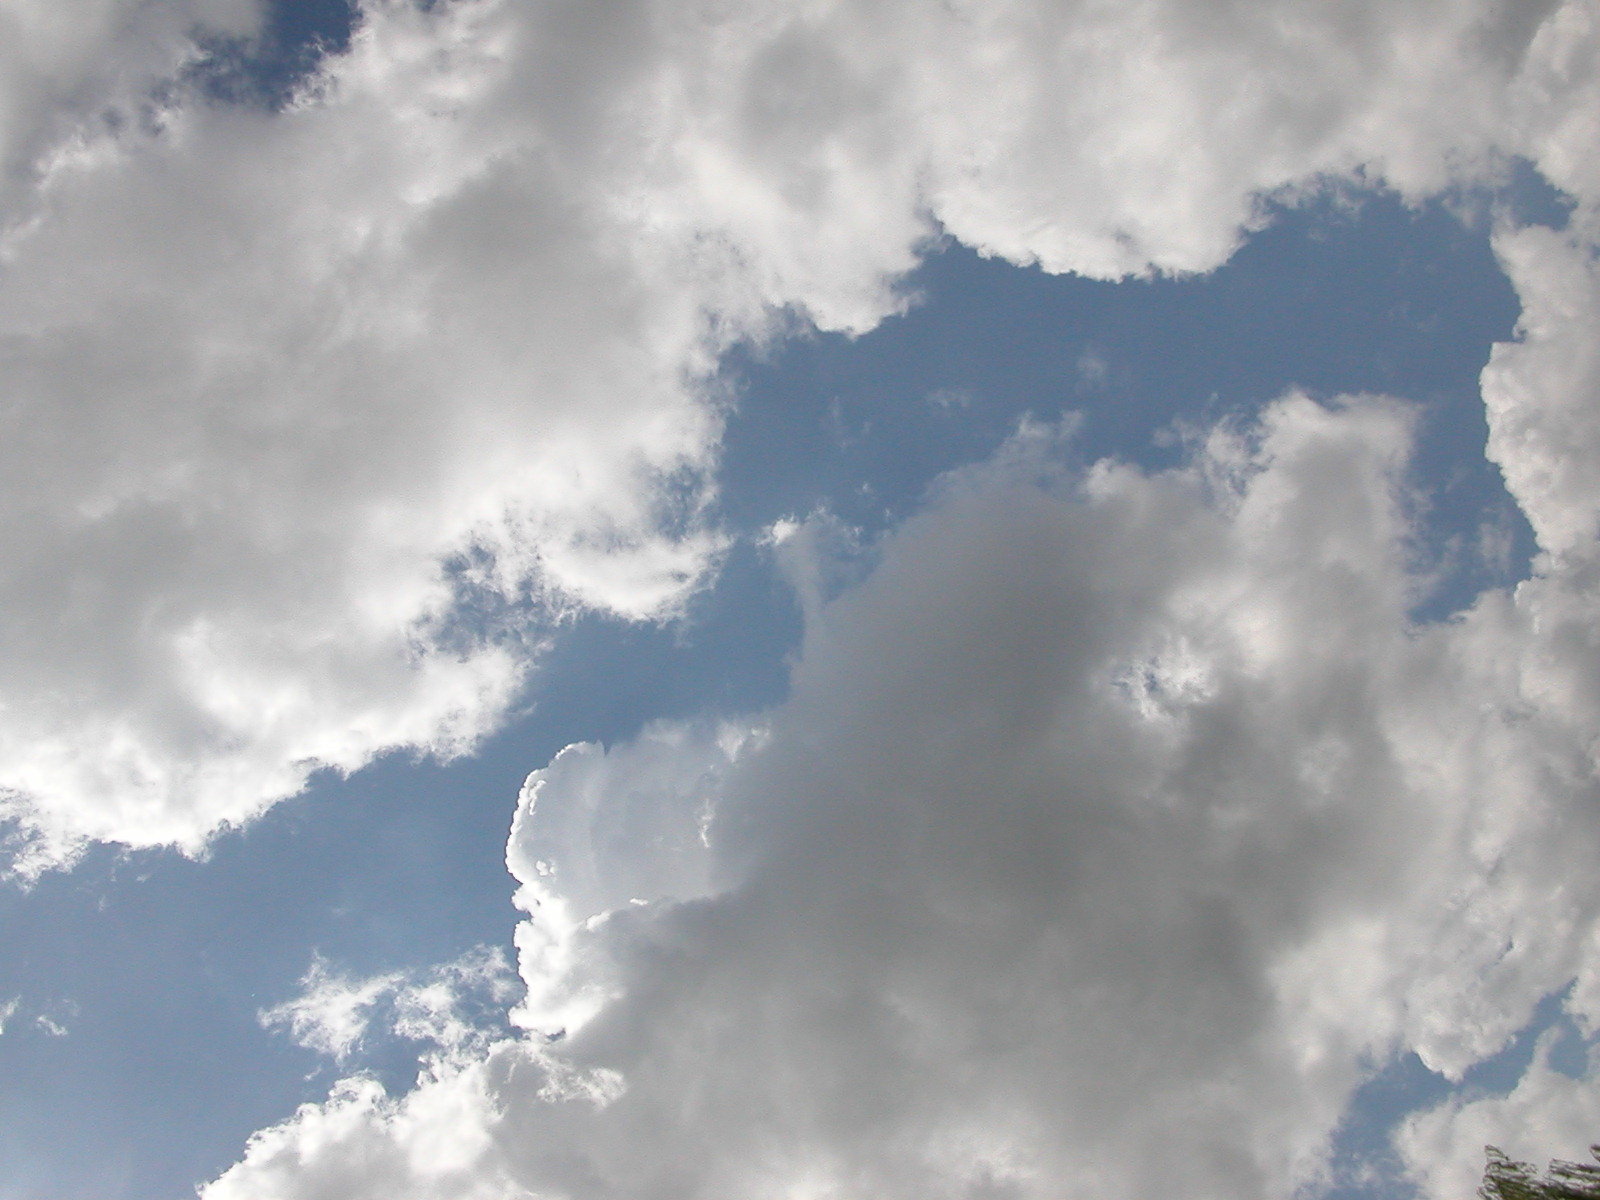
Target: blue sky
[(1067, 642)]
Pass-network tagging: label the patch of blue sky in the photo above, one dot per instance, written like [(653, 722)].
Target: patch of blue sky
[(1347, 292), (265, 70), (1364, 1164), (165, 1068)]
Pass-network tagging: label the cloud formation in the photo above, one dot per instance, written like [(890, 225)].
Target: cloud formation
[(290, 394), (60, 70), (1548, 1114), (334, 1012), (312, 415), (1113, 829)]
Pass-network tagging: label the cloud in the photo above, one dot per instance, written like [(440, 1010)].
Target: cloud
[(1539, 390), (59, 70), (1114, 827), (331, 1015), (599, 831), (334, 1012), (1548, 1114), (314, 420)]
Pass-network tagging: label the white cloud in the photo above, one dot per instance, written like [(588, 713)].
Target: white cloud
[(1540, 389), (334, 1011), (267, 375), (431, 1145), (1102, 821), (1547, 1115), (1112, 829), (1545, 433), (599, 831)]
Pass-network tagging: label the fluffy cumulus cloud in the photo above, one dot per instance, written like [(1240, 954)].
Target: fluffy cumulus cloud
[(63, 68), (1115, 824), (1114, 827), (313, 416), (304, 412)]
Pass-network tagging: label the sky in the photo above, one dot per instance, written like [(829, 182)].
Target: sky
[(813, 599)]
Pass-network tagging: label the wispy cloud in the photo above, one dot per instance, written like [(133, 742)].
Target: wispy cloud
[(439, 1007)]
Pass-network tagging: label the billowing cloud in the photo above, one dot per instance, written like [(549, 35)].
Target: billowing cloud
[(313, 417), (1114, 827), (306, 411), (1540, 390)]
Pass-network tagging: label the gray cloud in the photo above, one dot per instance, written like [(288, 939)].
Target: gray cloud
[(61, 70), (1114, 826)]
